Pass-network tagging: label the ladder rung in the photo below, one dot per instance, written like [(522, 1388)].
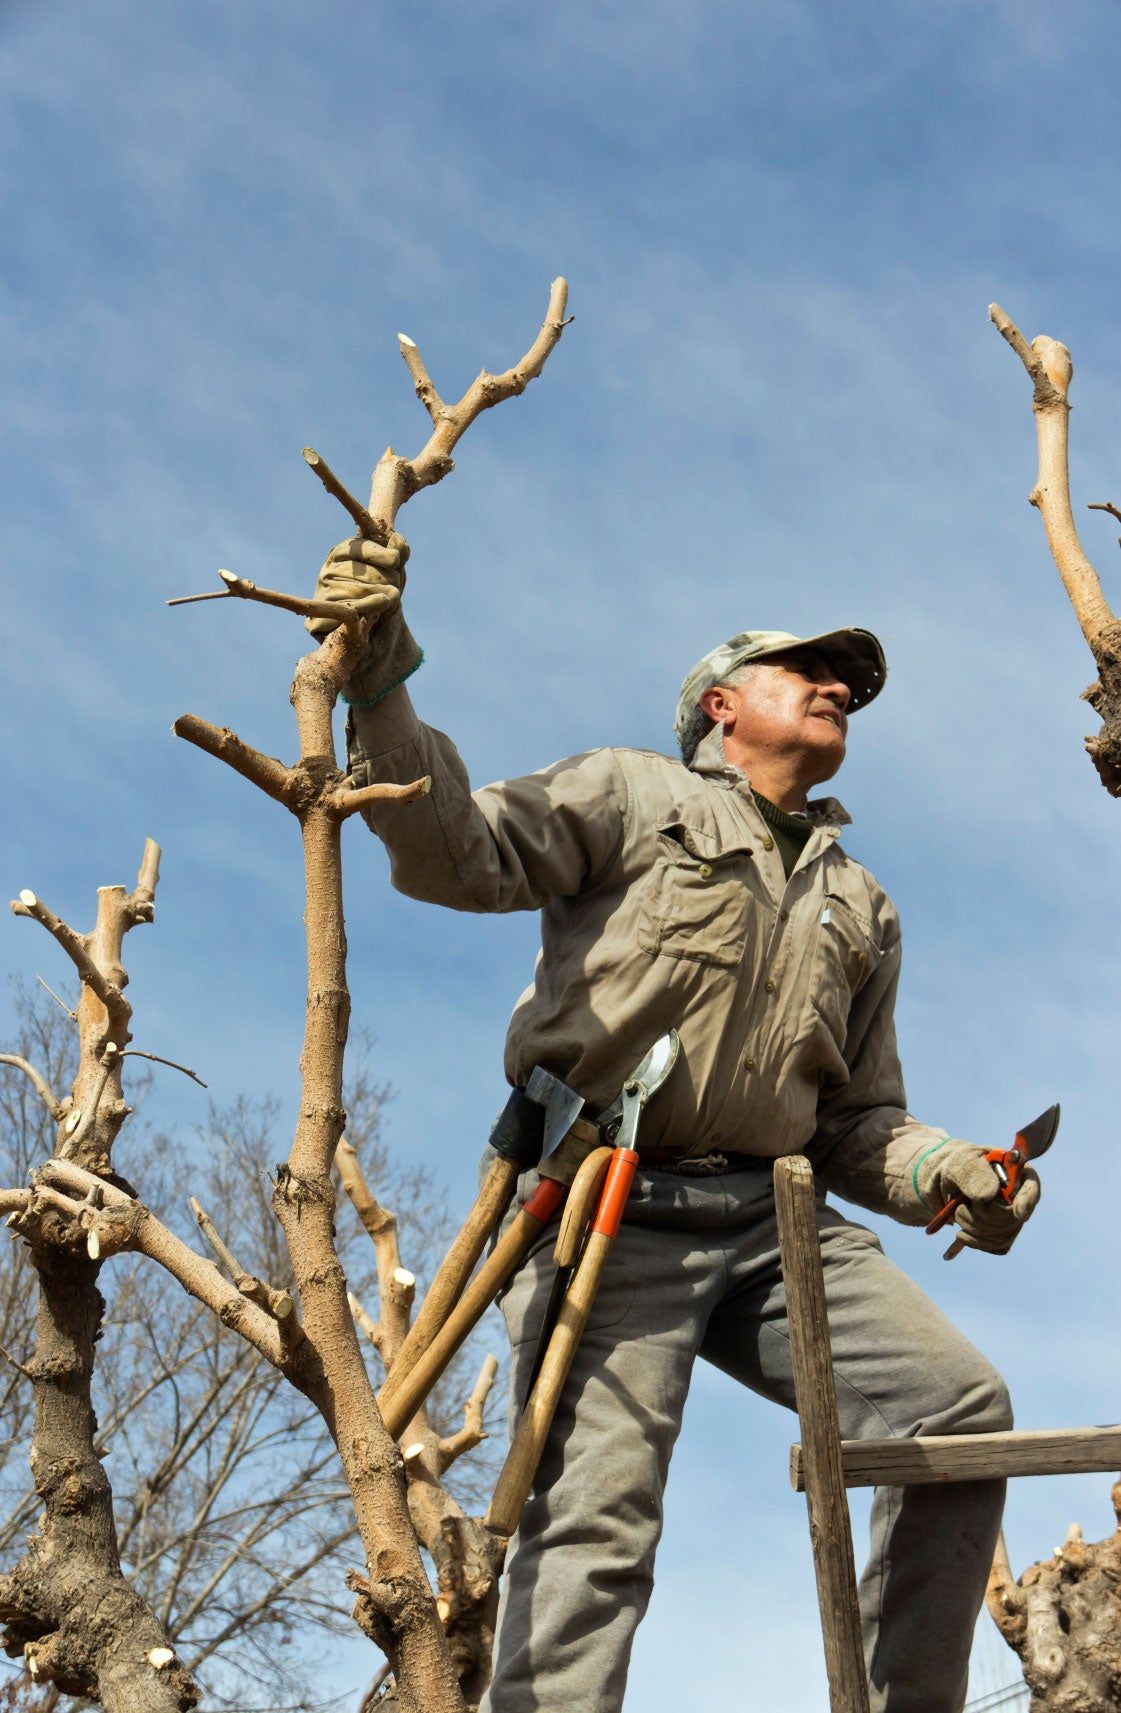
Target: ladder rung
[(971, 1456)]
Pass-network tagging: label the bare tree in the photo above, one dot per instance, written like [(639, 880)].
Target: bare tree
[(67, 1604), (1063, 1616), (242, 1552)]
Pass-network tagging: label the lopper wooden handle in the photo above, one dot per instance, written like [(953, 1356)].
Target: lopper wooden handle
[(522, 1459), (400, 1405), (455, 1269), (584, 1195)]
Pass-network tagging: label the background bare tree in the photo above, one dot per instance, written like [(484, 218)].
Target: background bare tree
[(233, 1519)]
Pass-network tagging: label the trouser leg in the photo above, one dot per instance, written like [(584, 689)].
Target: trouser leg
[(580, 1568), (901, 1369)]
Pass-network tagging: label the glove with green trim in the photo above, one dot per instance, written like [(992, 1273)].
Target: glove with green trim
[(984, 1219), (369, 577)]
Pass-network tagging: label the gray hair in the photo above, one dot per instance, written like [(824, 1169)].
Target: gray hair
[(698, 725)]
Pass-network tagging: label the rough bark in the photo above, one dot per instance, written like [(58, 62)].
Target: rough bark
[(65, 1605), (1063, 1619), (1050, 368)]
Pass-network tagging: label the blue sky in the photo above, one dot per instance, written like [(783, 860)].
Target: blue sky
[(780, 404)]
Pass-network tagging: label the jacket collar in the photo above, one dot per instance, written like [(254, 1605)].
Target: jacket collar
[(710, 761)]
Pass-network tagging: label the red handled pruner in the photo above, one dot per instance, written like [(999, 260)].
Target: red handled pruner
[(1008, 1164)]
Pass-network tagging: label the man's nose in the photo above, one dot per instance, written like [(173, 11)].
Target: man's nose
[(837, 691)]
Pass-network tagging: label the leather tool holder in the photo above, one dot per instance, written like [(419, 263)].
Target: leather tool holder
[(518, 1133)]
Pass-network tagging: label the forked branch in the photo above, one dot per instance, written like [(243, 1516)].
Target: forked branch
[(396, 479)]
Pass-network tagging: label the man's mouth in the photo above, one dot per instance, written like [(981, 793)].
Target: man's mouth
[(831, 714)]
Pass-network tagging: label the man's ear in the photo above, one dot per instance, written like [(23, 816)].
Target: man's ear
[(714, 704)]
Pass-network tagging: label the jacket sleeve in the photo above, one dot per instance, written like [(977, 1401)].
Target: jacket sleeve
[(509, 846), (867, 1146)]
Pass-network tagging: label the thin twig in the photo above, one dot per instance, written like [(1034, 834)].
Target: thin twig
[(14, 1361), (1114, 511), (73, 1015), (39, 1082), (367, 1702), (156, 1058)]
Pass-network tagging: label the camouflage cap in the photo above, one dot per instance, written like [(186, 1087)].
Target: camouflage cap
[(855, 656)]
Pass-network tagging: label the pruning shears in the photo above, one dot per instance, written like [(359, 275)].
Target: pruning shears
[(1008, 1164)]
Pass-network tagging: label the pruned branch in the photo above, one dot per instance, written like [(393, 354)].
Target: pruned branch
[(472, 1433), (338, 611), (366, 525), (74, 945), (396, 479), (1049, 365), (1050, 369), (140, 1230), (42, 1088), (425, 391), (263, 770), (278, 1304), (141, 904), (346, 802)]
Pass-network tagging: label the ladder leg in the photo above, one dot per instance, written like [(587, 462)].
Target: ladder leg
[(816, 1394)]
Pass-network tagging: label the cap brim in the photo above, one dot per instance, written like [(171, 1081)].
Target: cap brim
[(855, 655)]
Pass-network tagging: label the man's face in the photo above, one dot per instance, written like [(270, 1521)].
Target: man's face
[(793, 704)]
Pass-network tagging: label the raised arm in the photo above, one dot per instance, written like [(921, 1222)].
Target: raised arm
[(509, 846)]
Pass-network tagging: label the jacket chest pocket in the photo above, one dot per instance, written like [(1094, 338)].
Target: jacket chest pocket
[(697, 900), (845, 956)]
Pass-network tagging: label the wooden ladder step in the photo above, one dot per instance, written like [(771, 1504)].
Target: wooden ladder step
[(971, 1457)]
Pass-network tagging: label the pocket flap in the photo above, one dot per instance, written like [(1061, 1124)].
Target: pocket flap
[(706, 846)]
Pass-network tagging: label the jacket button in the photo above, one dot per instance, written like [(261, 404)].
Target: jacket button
[(768, 843), (705, 870), (769, 985), (749, 1063), (784, 915)]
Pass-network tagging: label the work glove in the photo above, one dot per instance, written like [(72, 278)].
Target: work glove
[(984, 1219), (369, 577)]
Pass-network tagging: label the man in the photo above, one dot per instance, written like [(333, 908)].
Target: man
[(708, 894)]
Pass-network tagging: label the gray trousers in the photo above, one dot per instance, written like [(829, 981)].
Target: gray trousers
[(695, 1272)]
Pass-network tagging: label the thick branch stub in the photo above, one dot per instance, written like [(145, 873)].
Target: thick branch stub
[(346, 802), (365, 524), (274, 779), (141, 905)]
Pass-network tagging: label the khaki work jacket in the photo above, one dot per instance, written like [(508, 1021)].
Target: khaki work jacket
[(664, 903)]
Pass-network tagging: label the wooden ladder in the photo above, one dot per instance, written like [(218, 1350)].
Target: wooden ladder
[(824, 1464)]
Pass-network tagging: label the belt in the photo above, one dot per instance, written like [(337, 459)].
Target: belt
[(702, 1165)]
